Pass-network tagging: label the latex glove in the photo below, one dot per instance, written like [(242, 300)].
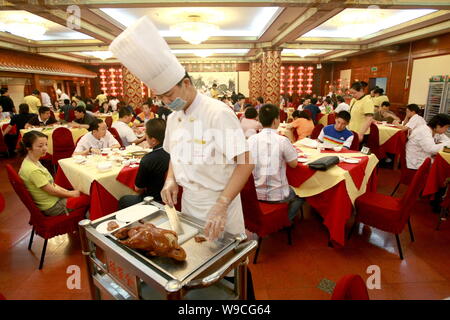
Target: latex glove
[(216, 219), (169, 192)]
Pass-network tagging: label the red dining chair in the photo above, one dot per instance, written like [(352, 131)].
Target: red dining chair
[(445, 207), (319, 116), (388, 213), (109, 121), (350, 287), (263, 218), (116, 135), (331, 118), (63, 145), (3, 146), (2, 203), (373, 141), (317, 129), (138, 111), (406, 175), (71, 115), (355, 142), (45, 226)]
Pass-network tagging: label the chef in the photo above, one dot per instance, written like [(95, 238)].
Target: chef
[(209, 155)]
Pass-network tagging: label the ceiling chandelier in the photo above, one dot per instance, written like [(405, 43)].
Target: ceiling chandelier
[(100, 54), (194, 31), (26, 29)]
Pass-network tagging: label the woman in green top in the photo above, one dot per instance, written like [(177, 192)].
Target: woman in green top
[(50, 198)]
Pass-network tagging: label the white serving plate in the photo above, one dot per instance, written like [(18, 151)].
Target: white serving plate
[(351, 160), (135, 213), (103, 227), (302, 160)]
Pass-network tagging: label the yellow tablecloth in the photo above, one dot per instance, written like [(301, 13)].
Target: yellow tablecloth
[(103, 116), (76, 133), (324, 180), (324, 120), (445, 155), (386, 132), (82, 175)]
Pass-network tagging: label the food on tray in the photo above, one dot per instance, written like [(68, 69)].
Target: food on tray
[(112, 225), (152, 240), (200, 239)]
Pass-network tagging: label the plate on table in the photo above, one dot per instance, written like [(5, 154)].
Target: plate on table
[(302, 159), (135, 212), (310, 143), (351, 160), (103, 227)]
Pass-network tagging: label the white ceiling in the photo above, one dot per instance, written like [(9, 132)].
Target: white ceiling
[(314, 31), (54, 31)]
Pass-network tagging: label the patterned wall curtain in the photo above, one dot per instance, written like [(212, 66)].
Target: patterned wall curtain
[(132, 90), (271, 65), (255, 80)]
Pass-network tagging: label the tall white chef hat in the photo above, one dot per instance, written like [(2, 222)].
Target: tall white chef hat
[(146, 54)]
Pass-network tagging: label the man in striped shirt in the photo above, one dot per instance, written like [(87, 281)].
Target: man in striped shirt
[(337, 135)]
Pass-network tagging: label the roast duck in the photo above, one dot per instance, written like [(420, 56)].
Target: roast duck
[(152, 241)]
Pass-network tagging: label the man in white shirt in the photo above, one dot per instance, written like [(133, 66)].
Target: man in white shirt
[(427, 140), (46, 101), (412, 119), (94, 141), (271, 152), (342, 106), (125, 132)]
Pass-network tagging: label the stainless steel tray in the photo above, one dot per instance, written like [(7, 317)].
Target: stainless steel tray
[(199, 256)]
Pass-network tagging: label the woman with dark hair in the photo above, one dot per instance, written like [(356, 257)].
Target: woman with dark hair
[(105, 108), (427, 140), (302, 124), (361, 111), (249, 123), (412, 119), (378, 96), (19, 120), (50, 198)]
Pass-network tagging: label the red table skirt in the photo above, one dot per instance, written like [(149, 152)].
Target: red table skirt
[(393, 145), (102, 202), (335, 206), (439, 172)]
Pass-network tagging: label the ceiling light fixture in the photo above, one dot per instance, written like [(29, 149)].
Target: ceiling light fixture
[(203, 53), (26, 29), (195, 31), (100, 54)]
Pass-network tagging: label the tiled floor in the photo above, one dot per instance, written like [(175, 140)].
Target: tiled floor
[(282, 272)]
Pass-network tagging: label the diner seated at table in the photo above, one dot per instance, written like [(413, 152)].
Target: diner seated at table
[(412, 119), (66, 108), (249, 123), (337, 134), (427, 140), (326, 106), (94, 141), (313, 108), (105, 108), (122, 126), (19, 120), (342, 106), (82, 119), (145, 115), (302, 124), (50, 198), (42, 119), (270, 153), (384, 114), (152, 168)]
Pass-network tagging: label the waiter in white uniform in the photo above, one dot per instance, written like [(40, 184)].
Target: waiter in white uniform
[(209, 155)]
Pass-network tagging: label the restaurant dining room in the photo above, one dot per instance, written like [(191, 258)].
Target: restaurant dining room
[(225, 150)]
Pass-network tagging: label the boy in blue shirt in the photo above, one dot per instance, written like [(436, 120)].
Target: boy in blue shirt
[(337, 135)]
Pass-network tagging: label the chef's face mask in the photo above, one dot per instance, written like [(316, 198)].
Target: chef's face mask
[(177, 104)]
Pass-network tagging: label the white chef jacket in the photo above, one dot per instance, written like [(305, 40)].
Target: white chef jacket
[(421, 145), (415, 121), (89, 141), (46, 102), (203, 142), (125, 132)]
